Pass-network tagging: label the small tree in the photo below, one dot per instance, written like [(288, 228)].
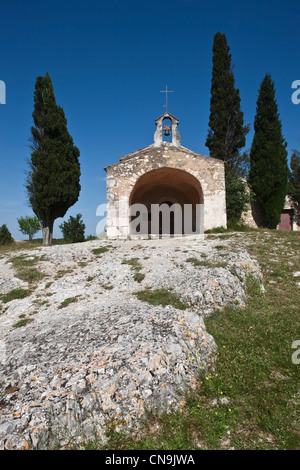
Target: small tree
[(268, 175), (294, 178), (73, 229), (29, 226), (5, 236)]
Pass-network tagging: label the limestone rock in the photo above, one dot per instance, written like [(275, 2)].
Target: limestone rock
[(94, 351)]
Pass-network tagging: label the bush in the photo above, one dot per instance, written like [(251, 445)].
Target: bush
[(5, 236), (237, 197), (73, 229), (91, 237)]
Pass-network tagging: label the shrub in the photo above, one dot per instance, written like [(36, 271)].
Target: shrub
[(5, 236), (73, 229), (91, 237), (237, 197)]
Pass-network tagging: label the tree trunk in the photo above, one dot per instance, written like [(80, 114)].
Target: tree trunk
[(47, 230)]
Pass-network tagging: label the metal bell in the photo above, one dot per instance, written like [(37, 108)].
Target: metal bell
[(167, 130)]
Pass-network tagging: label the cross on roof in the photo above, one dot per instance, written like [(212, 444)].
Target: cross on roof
[(166, 91)]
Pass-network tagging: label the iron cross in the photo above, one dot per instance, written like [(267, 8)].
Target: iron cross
[(166, 91)]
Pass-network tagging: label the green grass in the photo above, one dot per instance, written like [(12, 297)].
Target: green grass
[(22, 323), (99, 251), (30, 275), (139, 277), (160, 297), (206, 264), (133, 262), (251, 400), (62, 272), (233, 227), (107, 286), (24, 267), (22, 260), (136, 267), (15, 294), (68, 301)]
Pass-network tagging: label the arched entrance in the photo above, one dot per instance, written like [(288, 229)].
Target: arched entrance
[(174, 196)]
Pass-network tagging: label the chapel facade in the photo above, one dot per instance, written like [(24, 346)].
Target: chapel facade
[(165, 175)]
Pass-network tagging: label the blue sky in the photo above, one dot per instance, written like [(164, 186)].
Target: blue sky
[(108, 61)]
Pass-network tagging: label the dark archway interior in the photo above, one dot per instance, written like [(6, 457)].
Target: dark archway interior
[(169, 186)]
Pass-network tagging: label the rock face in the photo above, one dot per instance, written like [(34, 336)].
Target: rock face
[(92, 350)]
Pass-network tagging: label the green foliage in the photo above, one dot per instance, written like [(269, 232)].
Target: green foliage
[(91, 237), (5, 236), (227, 132), (73, 229), (226, 136), (268, 174), (29, 226), (294, 178), (237, 197), (54, 169)]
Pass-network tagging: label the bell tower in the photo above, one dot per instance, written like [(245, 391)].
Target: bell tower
[(165, 130)]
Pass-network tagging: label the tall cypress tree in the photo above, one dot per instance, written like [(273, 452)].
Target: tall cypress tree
[(54, 169), (294, 178), (268, 175), (226, 135)]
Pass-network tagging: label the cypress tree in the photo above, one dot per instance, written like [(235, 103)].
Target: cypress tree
[(294, 178), (226, 135), (268, 175), (54, 169)]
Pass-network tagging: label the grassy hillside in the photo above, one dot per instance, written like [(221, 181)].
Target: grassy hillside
[(250, 401)]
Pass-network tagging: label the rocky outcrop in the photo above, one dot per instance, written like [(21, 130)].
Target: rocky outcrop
[(89, 350)]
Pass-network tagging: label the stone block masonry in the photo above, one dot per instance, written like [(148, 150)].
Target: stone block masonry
[(164, 173)]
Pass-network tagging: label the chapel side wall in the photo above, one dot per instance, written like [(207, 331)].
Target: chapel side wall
[(289, 204), (122, 177), (213, 186), (252, 216)]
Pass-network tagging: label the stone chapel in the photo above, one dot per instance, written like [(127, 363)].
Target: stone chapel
[(165, 173)]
